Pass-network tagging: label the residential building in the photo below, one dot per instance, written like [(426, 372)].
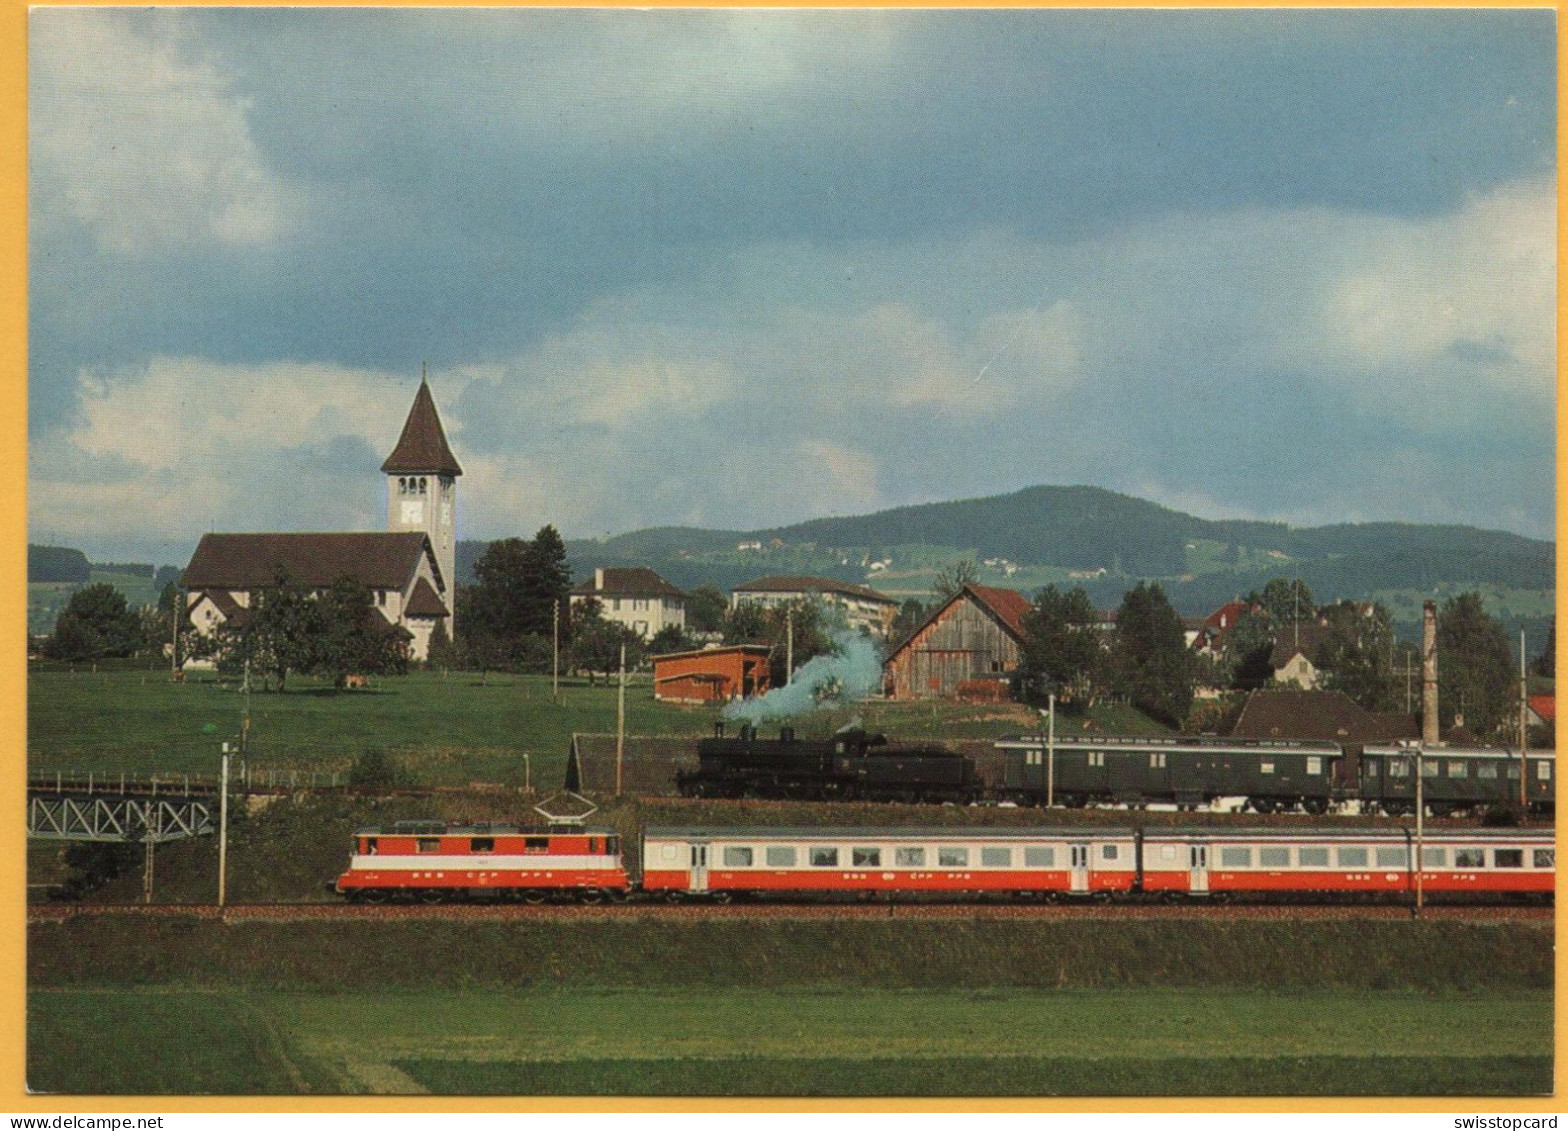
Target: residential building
[(636, 597), (863, 608)]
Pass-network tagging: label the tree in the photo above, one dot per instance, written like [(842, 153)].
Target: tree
[(951, 579), (512, 606), (95, 623), (597, 643), (705, 609), (1248, 646), (1545, 665), (805, 620), (911, 615), (1357, 656), (349, 637), (670, 638), (1150, 663), (1061, 651), (1287, 601), (1474, 669)]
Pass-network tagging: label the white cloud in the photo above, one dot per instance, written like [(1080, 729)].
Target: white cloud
[(141, 140), (1471, 294)]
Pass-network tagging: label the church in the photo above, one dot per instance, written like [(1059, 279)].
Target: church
[(411, 570)]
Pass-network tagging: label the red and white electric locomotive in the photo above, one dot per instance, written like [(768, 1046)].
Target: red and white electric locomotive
[(432, 861)]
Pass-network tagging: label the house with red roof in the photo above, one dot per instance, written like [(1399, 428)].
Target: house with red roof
[(974, 638)]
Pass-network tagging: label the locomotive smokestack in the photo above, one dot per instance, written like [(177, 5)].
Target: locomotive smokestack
[(1429, 673)]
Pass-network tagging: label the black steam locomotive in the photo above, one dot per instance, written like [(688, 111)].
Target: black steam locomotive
[(853, 765)]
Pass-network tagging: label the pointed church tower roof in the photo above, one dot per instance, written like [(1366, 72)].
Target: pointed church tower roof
[(422, 446)]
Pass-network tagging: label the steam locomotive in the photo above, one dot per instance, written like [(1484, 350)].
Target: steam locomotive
[(853, 765)]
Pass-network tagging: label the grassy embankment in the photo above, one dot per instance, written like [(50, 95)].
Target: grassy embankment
[(446, 730), (804, 1007)]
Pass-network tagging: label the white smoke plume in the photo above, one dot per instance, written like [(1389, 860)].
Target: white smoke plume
[(849, 674)]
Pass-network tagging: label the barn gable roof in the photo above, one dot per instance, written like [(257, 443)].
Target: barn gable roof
[(422, 446), (252, 561), (1006, 606)]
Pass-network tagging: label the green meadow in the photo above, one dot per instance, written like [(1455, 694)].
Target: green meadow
[(849, 1041)]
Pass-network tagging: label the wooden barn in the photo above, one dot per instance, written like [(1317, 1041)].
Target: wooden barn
[(711, 675), (973, 639)]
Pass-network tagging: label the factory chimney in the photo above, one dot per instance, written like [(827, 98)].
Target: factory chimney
[(1429, 673)]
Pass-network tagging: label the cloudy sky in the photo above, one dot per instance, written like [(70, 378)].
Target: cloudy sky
[(736, 269)]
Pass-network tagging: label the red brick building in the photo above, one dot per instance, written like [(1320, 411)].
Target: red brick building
[(712, 675)]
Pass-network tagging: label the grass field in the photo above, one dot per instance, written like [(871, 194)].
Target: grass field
[(818, 1042), (448, 730)]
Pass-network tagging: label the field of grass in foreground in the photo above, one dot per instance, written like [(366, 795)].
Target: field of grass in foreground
[(816, 1042), (445, 729)]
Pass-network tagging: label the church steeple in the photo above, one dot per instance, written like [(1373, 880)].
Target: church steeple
[(422, 446), (422, 486)]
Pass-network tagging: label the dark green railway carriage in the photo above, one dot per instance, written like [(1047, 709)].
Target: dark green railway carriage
[(1270, 776), (1455, 779)]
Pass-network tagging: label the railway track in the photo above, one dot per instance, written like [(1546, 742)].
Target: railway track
[(301, 912)]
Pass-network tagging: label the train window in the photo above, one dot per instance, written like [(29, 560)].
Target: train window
[(736, 856), (781, 856), (1486, 770), (996, 857), (1156, 761), (1235, 858), (1351, 857), (1469, 858), (371, 846), (824, 857), (671, 853), (1513, 771), (1543, 770), (1167, 852), (536, 845), (1508, 858), (1039, 857), (1312, 857), (1109, 852), (1095, 757), (482, 844), (1545, 857), (1459, 769), (1371, 770), (909, 857), (1265, 767), (865, 857), (1398, 768), (1314, 765), (1429, 768), (427, 844), (612, 845), (1434, 858), (1274, 858), (1392, 857), (952, 857)]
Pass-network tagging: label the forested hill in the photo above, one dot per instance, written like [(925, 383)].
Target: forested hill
[(1104, 539)]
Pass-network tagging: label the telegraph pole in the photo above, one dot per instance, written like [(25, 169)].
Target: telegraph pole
[(1050, 754), (620, 724), (1524, 733), (223, 827), (174, 642), (555, 655), (789, 645)]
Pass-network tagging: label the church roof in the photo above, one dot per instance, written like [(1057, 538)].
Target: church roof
[(422, 446), (252, 561), (424, 602)]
